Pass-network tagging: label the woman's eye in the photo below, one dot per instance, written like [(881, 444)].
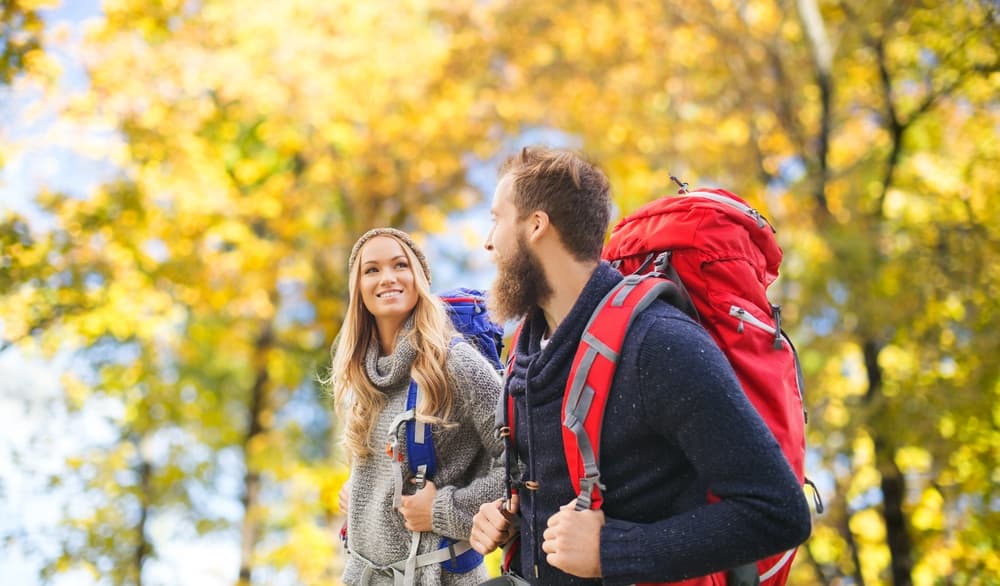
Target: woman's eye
[(402, 265), (370, 270)]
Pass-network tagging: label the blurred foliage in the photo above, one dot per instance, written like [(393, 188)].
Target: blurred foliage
[(255, 140), (21, 31)]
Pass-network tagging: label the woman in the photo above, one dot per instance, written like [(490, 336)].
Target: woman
[(396, 331)]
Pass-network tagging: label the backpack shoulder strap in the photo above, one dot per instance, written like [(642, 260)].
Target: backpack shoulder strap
[(590, 380), (504, 417), (419, 442)]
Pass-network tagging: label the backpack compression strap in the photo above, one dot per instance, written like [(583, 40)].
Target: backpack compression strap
[(590, 380), (419, 441), (505, 417), (419, 446), (454, 556)]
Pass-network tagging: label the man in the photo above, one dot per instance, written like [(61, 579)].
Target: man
[(677, 424)]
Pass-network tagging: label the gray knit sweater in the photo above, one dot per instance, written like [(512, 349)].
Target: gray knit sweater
[(464, 478)]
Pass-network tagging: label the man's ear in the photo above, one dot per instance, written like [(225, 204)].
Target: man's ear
[(538, 225)]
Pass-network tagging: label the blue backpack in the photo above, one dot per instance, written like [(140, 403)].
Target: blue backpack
[(467, 310)]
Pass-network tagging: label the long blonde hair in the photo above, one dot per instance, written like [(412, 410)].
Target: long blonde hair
[(356, 398)]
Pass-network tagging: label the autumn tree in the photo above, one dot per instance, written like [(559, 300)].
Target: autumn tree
[(866, 131), (255, 140), (204, 287), (21, 29)]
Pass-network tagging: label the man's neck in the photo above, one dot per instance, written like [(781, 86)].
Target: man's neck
[(567, 277)]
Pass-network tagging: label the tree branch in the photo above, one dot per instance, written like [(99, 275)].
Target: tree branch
[(822, 54)]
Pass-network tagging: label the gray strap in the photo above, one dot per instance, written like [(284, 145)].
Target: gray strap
[(576, 387), (400, 420), (500, 413), (581, 396), (437, 556), (591, 469), (599, 347), (397, 478), (410, 567), (371, 568), (622, 291), (394, 453), (398, 569), (578, 403)]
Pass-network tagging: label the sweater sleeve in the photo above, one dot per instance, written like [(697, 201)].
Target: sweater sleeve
[(478, 389), (690, 395)]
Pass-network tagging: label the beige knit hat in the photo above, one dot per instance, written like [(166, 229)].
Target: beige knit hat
[(398, 234)]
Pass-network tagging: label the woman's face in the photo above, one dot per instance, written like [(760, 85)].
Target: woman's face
[(387, 283)]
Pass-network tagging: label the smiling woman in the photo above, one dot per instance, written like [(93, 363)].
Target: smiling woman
[(399, 364), (388, 288)]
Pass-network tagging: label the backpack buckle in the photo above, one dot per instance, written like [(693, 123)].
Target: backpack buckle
[(391, 450), (662, 262), (420, 479), (587, 484)]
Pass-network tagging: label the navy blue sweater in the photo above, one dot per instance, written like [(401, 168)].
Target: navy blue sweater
[(677, 424)]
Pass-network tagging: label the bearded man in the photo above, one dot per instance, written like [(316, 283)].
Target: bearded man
[(676, 424)]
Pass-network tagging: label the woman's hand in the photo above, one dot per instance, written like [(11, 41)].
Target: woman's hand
[(417, 509)]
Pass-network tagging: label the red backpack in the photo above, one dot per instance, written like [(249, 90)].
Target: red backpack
[(718, 256)]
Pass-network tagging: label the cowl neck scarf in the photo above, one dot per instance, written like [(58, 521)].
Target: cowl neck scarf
[(388, 372)]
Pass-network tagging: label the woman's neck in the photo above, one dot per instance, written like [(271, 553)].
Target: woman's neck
[(387, 331)]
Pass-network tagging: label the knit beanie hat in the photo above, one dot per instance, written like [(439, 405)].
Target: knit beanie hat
[(399, 235)]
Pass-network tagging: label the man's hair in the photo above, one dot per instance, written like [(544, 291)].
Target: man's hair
[(574, 193)]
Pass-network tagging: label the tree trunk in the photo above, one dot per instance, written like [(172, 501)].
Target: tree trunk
[(893, 483), (852, 546), (822, 54), (251, 479), (897, 535), (142, 547)]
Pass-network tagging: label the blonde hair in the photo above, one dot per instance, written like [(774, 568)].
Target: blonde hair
[(357, 400)]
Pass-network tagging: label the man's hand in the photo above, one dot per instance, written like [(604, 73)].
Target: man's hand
[(417, 509), (573, 541), (492, 526)]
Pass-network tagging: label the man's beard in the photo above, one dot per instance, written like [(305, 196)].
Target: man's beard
[(520, 285)]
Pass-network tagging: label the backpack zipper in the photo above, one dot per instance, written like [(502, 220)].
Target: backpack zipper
[(761, 220), (475, 302), (745, 316)]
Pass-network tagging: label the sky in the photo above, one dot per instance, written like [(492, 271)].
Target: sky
[(35, 427)]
